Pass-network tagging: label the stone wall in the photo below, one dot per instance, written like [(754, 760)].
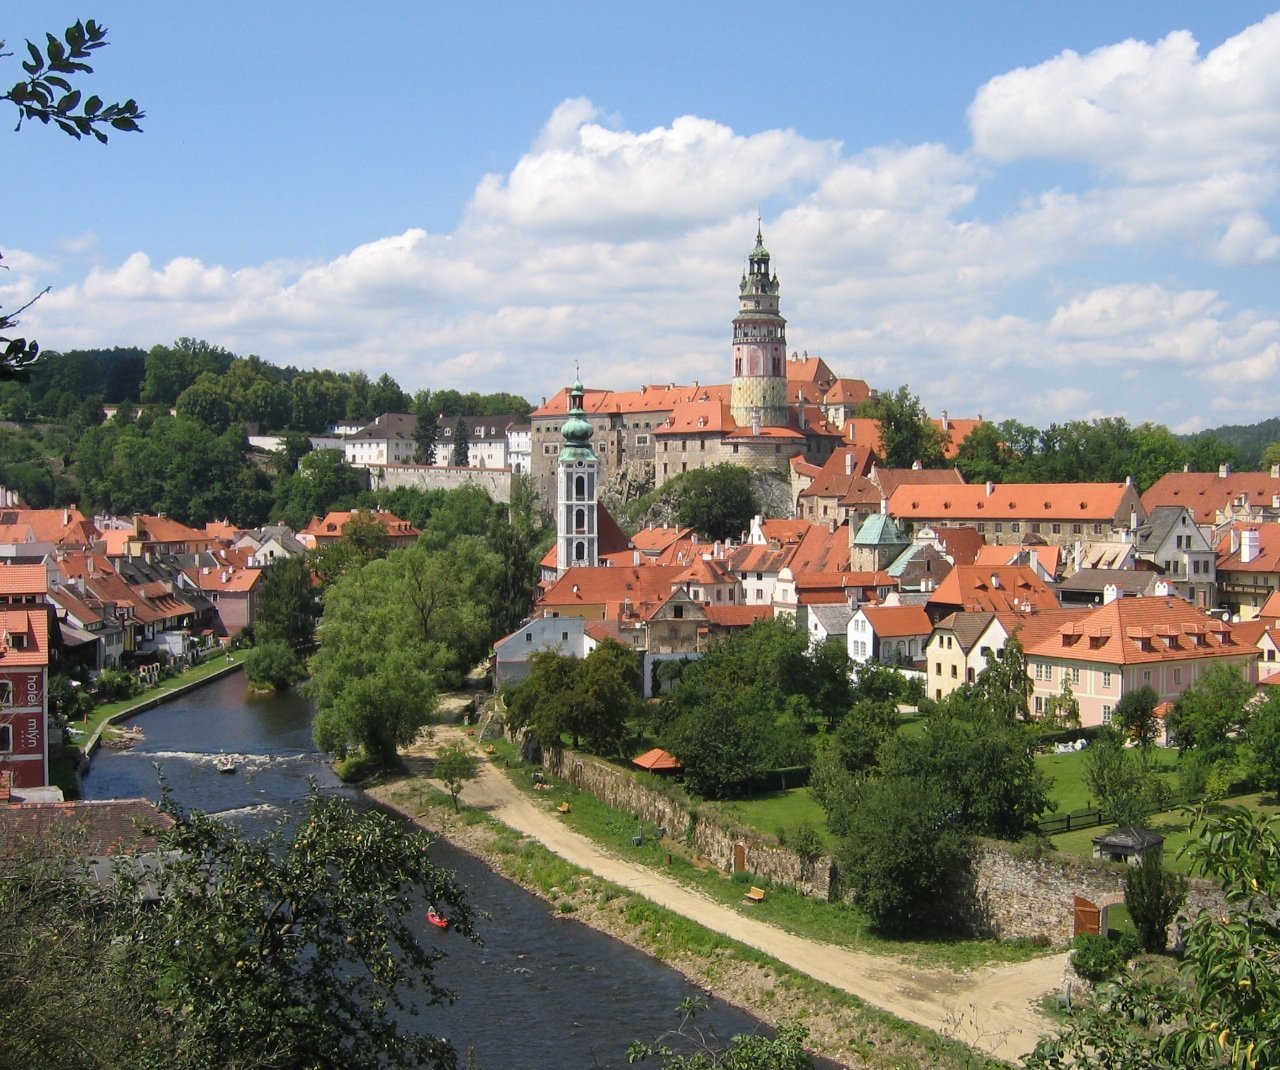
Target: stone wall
[(1005, 891), (1010, 893), (722, 845), (495, 482)]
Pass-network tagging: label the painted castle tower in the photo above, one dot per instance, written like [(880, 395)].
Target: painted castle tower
[(758, 393)]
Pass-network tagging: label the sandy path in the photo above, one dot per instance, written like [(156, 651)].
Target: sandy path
[(992, 1009)]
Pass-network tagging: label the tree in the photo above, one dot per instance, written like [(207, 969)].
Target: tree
[(287, 603), (395, 632), (460, 456), (1211, 712), (1263, 737), (745, 1051), (543, 701), (1153, 897), (982, 766), (1136, 714), (984, 456), (717, 502), (907, 435), (47, 94), (297, 950), (861, 733), (1119, 780), (1004, 686), (904, 839), (455, 765), (285, 625), (1223, 1010), (426, 432)]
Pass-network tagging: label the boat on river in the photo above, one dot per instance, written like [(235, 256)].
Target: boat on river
[(225, 763), (437, 919)]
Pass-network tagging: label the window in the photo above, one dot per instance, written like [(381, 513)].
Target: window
[(1106, 681), (678, 612), (1016, 526), (1057, 529), (999, 527), (954, 673), (528, 637), (1146, 676), (6, 693), (1039, 704), (1177, 675), (759, 594), (937, 668), (6, 738), (564, 637), (1106, 714), (1075, 674), (642, 440)]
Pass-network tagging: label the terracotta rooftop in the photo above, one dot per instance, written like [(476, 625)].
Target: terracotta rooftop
[(1205, 493)]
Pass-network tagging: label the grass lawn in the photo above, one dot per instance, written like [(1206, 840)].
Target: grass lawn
[(1173, 825), (775, 810), (1070, 792)]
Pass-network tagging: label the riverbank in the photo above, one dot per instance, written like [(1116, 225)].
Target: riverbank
[(732, 954), (90, 732)]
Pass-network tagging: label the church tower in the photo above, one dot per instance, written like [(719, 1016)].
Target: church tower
[(758, 394), (577, 530)]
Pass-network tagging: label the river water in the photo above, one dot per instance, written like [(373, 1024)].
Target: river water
[(542, 993)]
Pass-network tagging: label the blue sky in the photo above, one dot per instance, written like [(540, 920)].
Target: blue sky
[(1041, 211)]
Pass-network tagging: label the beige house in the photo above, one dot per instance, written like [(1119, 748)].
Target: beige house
[(1011, 513)]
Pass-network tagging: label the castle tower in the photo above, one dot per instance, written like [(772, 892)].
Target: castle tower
[(758, 394), (577, 477)]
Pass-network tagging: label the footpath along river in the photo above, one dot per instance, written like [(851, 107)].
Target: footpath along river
[(542, 993)]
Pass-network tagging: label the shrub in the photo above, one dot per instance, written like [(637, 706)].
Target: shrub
[(1099, 958)]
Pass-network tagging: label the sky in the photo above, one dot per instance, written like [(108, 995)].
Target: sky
[(1042, 211)]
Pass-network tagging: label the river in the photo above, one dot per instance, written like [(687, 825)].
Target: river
[(542, 993)]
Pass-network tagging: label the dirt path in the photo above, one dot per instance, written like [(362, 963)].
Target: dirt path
[(992, 1009)]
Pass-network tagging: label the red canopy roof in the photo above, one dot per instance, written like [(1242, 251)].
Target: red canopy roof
[(656, 760)]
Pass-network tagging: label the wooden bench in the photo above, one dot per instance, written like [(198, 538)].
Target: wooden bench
[(756, 895), (564, 807)]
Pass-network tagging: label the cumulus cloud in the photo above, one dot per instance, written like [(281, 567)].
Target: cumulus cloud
[(621, 250)]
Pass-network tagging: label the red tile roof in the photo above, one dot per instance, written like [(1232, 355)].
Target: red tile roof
[(972, 589), (1003, 501), (1205, 493), (894, 621), (1132, 631), (23, 579)]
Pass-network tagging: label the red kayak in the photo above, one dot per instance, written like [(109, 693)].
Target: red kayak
[(436, 919)]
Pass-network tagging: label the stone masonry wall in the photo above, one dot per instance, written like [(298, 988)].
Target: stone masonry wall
[(624, 791), (1005, 891), (495, 482)]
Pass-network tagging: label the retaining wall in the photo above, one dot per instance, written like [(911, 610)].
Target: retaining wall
[(1004, 891)]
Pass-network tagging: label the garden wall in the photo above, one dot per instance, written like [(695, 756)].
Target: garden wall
[(729, 849), (1005, 891), (495, 482)]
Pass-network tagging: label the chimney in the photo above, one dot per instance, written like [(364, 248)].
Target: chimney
[(1110, 593), (995, 580), (1224, 470), (1275, 471), (946, 421), (991, 488), (1186, 468), (848, 463), (916, 466), (1248, 545)]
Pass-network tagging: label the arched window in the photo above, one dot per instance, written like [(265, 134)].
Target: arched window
[(579, 551), (580, 487), (580, 520)]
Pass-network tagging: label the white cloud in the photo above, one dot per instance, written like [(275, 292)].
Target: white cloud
[(621, 250)]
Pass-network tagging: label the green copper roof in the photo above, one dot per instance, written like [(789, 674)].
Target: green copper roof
[(879, 530), (577, 428)]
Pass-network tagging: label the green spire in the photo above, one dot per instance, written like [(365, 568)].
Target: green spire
[(577, 428)]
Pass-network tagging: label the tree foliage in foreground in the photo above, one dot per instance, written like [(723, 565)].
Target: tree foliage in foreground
[(1224, 1009), (46, 94), (298, 949), (1153, 897)]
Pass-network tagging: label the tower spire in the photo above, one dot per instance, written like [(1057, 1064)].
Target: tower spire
[(758, 394)]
